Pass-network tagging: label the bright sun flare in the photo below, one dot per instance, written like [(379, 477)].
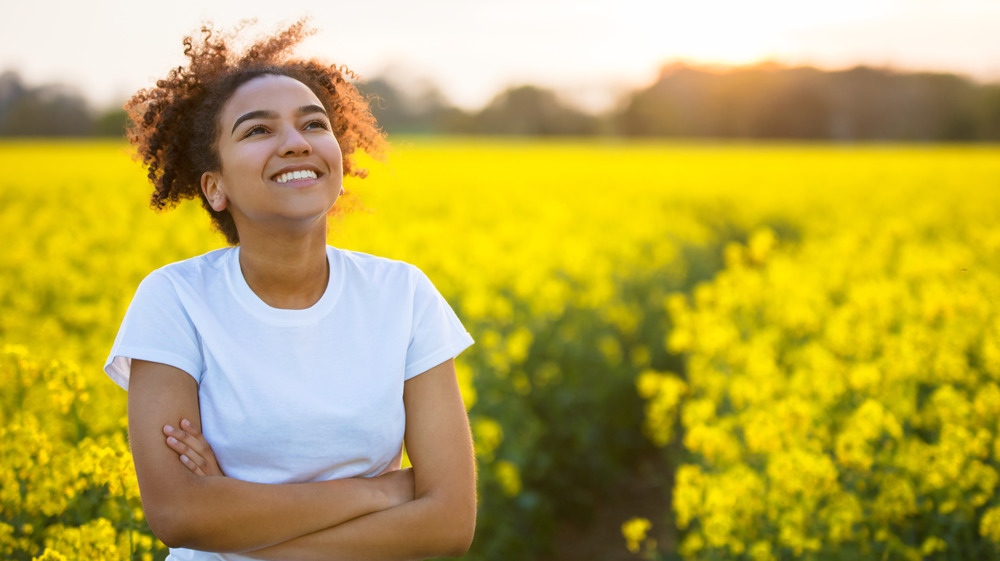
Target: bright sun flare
[(736, 32)]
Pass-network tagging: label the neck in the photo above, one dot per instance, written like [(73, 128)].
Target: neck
[(288, 272)]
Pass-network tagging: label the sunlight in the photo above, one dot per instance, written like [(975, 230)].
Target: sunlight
[(732, 32)]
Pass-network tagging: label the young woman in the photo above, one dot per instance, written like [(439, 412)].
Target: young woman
[(272, 383)]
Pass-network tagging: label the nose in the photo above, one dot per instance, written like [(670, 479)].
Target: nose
[(294, 143)]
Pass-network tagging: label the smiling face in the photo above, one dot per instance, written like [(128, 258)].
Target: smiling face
[(280, 164)]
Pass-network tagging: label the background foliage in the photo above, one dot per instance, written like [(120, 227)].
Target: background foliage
[(759, 101)]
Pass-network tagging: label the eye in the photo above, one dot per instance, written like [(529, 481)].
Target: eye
[(254, 130), (317, 124)]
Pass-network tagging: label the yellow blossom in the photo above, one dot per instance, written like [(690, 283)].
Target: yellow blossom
[(634, 530)]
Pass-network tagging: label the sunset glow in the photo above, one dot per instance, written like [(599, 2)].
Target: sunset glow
[(591, 49)]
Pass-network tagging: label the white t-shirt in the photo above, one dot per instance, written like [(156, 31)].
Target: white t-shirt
[(293, 395)]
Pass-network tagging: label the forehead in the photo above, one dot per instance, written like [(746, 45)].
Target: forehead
[(267, 93)]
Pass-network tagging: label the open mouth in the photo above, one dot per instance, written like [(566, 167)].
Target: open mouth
[(293, 175)]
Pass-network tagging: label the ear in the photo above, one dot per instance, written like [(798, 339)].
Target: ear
[(212, 188)]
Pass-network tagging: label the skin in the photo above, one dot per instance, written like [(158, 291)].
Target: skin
[(282, 227), (416, 513), (442, 512)]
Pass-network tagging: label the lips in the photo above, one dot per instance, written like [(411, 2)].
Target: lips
[(295, 173), (289, 176)]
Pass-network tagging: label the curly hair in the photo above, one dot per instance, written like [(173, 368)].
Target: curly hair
[(175, 126)]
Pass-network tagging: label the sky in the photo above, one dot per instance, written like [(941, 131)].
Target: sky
[(589, 50)]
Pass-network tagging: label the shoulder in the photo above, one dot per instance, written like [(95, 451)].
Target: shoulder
[(193, 272), (376, 270), (209, 263), (212, 261)]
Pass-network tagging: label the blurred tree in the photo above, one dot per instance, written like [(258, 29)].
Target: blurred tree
[(50, 110), (11, 89), (988, 117), (770, 101), (398, 111), (111, 123), (799, 105), (524, 110), (862, 109), (530, 110), (656, 109), (765, 100), (954, 99)]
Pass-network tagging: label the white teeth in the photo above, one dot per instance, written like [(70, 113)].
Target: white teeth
[(289, 176)]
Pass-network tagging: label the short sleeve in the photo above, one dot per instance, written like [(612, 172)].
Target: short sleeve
[(156, 328), (436, 334)]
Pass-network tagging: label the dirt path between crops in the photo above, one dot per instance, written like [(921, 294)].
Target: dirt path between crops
[(645, 493)]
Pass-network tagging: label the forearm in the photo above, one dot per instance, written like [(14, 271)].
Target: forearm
[(222, 514), (217, 513), (441, 520), (423, 528)]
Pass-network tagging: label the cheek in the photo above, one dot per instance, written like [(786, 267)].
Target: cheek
[(248, 161), (335, 149), (334, 156)]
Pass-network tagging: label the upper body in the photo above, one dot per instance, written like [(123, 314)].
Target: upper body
[(321, 387), (293, 395), (303, 367)]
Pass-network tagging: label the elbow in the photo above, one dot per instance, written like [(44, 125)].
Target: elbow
[(466, 534), (176, 529), (460, 545), (168, 525), (446, 526), (459, 529), (457, 543), (178, 522)]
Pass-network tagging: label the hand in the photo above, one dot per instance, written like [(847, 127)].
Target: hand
[(397, 485), (193, 449)]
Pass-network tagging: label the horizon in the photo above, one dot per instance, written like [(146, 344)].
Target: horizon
[(427, 83), (590, 52)]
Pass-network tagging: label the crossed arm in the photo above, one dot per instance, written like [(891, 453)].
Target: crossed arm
[(426, 511)]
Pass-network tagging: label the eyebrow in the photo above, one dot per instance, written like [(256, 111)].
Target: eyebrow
[(264, 114)]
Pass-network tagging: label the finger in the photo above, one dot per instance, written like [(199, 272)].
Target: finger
[(197, 448), (176, 433), (190, 428), (177, 445), (191, 439), (184, 450), (191, 465)]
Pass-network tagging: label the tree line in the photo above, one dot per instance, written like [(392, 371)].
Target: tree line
[(765, 101), (52, 110)]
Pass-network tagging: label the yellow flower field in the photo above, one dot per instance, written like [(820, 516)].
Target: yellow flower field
[(811, 332)]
